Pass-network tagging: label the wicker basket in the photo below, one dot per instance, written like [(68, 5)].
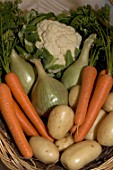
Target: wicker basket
[(12, 159), (111, 2)]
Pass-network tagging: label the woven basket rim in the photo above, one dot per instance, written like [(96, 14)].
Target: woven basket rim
[(14, 161)]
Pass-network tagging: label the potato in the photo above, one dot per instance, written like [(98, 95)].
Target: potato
[(60, 121), (78, 155), (105, 131), (108, 105), (92, 134), (44, 150), (64, 142), (73, 96)]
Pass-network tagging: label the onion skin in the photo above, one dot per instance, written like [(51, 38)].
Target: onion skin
[(47, 92), (23, 69)]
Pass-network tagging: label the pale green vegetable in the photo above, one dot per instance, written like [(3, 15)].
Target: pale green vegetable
[(105, 131), (92, 133), (108, 105), (80, 154), (60, 121), (23, 69), (47, 91), (71, 75), (44, 150)]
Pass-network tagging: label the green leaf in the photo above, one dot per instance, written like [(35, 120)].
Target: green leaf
[(7, 43), (30, 15), (30, 28), (10, 16), (63, 18), (41, 17), (29, 46), (47, 58), (23, 52), (32, 37), (38, 53), (57, 67), (77, 52), (68, 58)]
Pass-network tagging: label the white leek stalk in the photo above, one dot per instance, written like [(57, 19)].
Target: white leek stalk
[(71, 75)]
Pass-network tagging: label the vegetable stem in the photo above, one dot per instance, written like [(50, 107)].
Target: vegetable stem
[(94, 57), (106, 41), (86, 47), (8, 41), (39, 67)]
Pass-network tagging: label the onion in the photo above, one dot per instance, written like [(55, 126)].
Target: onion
[(47, 91), (23, 69)]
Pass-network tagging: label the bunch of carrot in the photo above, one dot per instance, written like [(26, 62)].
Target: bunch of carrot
[(93, 93), (14, 104)]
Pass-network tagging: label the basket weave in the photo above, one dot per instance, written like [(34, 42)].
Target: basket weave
[(111, 2), (11, 157)]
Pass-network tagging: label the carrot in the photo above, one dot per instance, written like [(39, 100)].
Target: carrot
[(73, 129), (88, 77), (20, 95), (104, 71), (9, 115), (24, 122), (101, 91)]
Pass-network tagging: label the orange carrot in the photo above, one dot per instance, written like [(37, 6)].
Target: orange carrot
[(20, 95), (24, 122), (88, 77), (9, 115), (102, 72), (101, 91), (73, 129)]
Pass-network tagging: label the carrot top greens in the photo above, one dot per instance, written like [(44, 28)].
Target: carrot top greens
[(10, 23), (87, 20)]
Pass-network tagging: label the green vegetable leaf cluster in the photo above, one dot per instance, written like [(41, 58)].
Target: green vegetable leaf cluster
[(28, 35), (11, 21), (10, 16), (87, 20), (18, 29)]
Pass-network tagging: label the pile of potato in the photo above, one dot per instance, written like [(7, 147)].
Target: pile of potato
[(74, 156)]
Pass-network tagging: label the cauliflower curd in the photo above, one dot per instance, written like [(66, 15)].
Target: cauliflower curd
[(58, 38)]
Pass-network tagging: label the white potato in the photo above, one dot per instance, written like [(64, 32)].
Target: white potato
[(44, 150), (105, 131), (108, 105), (78, 155), (73, 96), (92, 134), (64, 142), (60, 121)]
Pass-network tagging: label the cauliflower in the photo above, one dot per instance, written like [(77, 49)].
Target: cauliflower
[(58, 38)]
